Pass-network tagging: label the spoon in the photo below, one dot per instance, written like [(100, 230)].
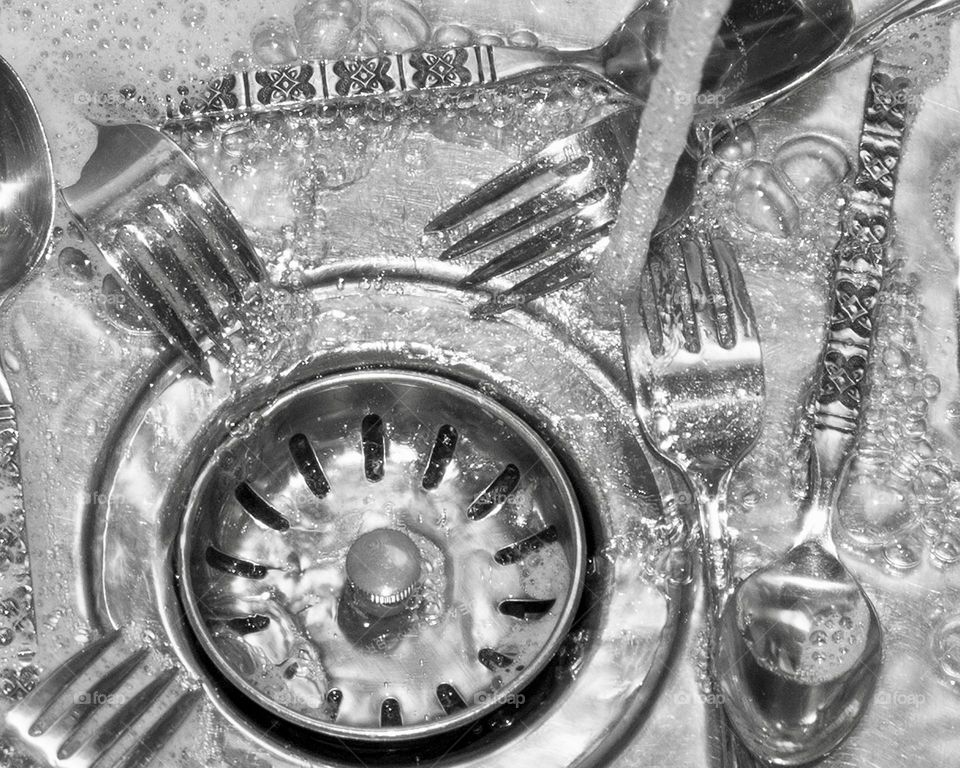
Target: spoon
[(761, 49), (27, 192), (800, 647), (799, 642)]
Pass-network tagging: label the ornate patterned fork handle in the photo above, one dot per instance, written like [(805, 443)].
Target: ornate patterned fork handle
[(318, 81)]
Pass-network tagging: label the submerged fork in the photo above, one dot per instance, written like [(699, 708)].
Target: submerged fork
[(694, 362), (169, 237), (49, 722), (581, 179), (584, 223)]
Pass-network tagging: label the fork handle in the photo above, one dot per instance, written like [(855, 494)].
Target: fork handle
[(716, 560), (319, 81)]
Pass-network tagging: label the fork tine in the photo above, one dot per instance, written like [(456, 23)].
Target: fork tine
[(198, 244), (557, 199), (43, 697), (561, 274), (66, 728), (200, 202), (540, 247), (142, 753), (649, 314), (739, 306), (151, 300), (501, 186), (702, 298), (122, 720), (156, 245)]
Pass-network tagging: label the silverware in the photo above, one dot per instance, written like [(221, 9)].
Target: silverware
[(576, 223), (694, 360), (587, 169), (26, 181), (170, 238), (27, 201), (800, 642), (50, 722), (791, 30)]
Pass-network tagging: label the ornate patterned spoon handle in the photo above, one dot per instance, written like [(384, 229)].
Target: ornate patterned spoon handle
[(861, 257), (17, 620), (317, 81)]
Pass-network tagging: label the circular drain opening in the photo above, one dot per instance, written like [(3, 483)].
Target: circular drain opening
[(381, 555)]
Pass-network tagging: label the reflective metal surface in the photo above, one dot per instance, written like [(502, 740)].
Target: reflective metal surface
[(345, 195), (694, 357), (290, 590), (625, 624), (26, 181), (171, 241)]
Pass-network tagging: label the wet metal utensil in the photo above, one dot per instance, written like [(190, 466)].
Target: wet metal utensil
[(800, 644), (27, 199), (581, 203), (27, 191), (171, 240), (769, 44), (695, 364), (52, 722)]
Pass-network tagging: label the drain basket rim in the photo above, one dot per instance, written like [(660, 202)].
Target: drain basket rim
[(196, 625)]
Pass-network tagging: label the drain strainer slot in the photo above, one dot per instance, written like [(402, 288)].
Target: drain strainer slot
[(381, 554)]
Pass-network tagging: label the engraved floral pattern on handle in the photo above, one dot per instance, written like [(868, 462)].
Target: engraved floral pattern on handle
[(220, 95), (315, 81), (286, 84), (363, 77), (440, 69)]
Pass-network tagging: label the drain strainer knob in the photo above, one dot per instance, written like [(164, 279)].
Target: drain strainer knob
[(383, 568)]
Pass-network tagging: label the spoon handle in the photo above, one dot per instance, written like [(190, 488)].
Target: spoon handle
[(319, 81), (860, 260)]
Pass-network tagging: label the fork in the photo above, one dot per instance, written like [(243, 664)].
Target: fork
[(581, 178), (168, 236), (695, 366), (49, 722), (585, 220)]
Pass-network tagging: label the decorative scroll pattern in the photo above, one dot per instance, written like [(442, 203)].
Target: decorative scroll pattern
[(317, 81), (861, 254)]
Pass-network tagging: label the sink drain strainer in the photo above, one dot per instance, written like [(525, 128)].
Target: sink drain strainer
[(381, 554)]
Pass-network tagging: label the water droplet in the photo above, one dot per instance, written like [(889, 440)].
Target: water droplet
[(273, 42), (901, 556), (193, 15), (947, 550), (895, 359), (75, 265), (930, 385), (946, 647), (523, 38), (818, 637)]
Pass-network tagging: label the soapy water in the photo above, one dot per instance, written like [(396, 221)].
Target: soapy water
[(905, 519)]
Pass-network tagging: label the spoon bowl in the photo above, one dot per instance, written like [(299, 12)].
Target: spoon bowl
[(800, 648), (760, 50), (27, 191)]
